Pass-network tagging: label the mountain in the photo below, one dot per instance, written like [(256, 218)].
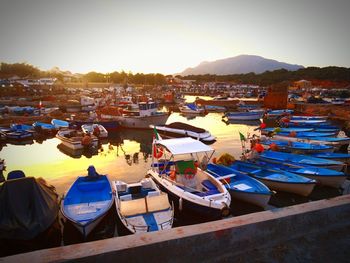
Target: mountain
[(239, 65)]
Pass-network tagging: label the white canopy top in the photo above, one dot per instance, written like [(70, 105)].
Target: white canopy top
[(185, 145)]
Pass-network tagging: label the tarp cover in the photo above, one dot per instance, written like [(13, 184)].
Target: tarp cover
[(184, 145), (28, 206)]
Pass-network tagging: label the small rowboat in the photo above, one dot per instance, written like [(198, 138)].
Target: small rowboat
[(250, 115), (241, 186), (87, 201), (297, 147), (277, 179), (96, 129)]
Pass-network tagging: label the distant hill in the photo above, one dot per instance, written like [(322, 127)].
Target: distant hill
[(239, 65)]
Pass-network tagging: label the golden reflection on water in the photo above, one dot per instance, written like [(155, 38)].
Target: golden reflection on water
[(126, 157)]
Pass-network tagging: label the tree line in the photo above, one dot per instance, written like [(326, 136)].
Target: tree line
[(335, 74)]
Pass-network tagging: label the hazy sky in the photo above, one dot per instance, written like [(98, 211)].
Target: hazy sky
[(169, 36)]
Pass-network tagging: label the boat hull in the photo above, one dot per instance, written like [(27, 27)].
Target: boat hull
[(138, 122), (257, 199)]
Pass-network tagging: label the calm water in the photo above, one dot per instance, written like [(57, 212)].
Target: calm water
[(126, 156)]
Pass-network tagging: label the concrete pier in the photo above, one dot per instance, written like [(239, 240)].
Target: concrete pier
[(312, 232)]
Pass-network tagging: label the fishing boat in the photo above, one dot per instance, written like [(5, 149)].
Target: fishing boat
[(142, 207), (191, 108), (297, 147), (323, 176), (76, 140), (276, 179), (191, 188), (146, 115), (87, 201), (312, 122), (279, 157), (250, 115), (241, 186), (96, 129), (271, 114), (180, 129), (307, 134)]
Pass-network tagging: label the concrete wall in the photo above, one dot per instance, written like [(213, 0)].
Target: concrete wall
[(311, 232)]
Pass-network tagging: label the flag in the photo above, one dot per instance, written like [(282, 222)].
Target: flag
[(241, 137), (156, 136)]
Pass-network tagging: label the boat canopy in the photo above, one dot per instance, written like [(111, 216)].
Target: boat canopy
[(184, 146)]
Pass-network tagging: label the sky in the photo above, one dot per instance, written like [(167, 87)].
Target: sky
[(169, 36)]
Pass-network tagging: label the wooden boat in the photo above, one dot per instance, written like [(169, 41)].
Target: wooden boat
[(241, 186), (19, 135), (87, 201), (180, 129), (191, 108), (276, 130), (323, 176), (96, 129), (312, 122), (297, 147), (250, 115), (307, 134), (142, 207), (305, 117), (280, 157), (75, 140), (277, 179), (192, 189)]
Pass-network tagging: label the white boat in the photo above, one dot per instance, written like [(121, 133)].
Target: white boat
[(180, 129), (96, 129), (75, 140), (191, 188), (191, 108), (142, 118), (250, 115), (142, 207)]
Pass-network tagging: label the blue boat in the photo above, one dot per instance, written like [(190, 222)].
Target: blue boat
[(298, 147), (277, 179), (19, 135), (20, 127), (308, 134), (60, 123), (285, 130), (301, 117), (44, 127), (279, 157), (241, 186), (309, 125), (88, 200), (278, 113), (342, 157), (323, 176)]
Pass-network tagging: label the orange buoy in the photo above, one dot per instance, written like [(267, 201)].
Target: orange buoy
[(259, 148)]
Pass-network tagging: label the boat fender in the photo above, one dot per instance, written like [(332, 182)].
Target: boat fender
[(86, 140), (180, 204), (157, 152), (225, 212)]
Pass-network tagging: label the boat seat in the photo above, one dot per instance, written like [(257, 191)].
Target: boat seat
[(157, 203), (209, 185), (133, 207)]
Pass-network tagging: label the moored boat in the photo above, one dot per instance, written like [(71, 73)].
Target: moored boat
[(190, 188), (277, 113), (191, 108), (250, 115), (75, 140), (180, 129), (142, 207), (42, 127), (60, 123), (241, 186), (341, 157), (276, 179), (296, 147), (280, 157), (323, 176), (87, 201)]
